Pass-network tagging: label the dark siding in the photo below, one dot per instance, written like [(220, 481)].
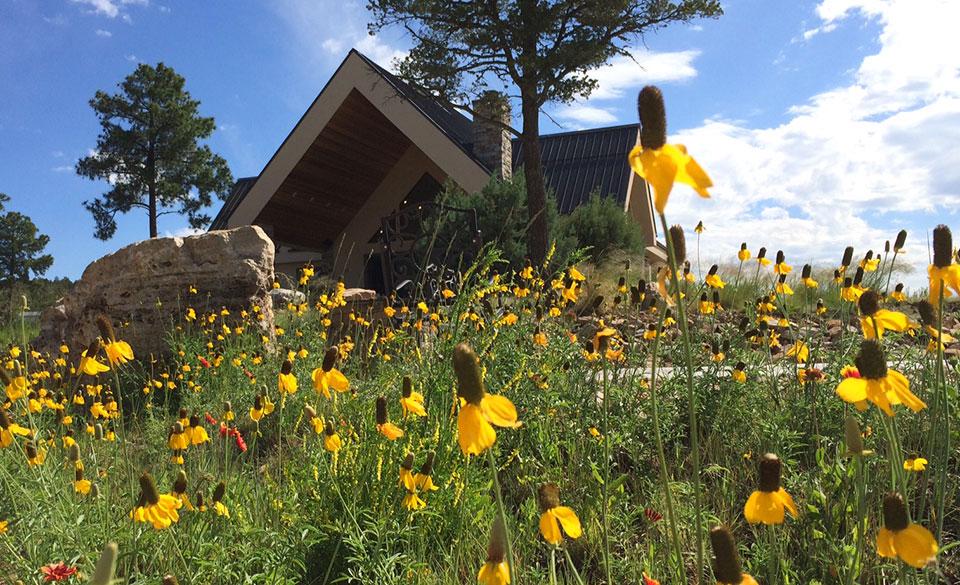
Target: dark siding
[(575, 164)]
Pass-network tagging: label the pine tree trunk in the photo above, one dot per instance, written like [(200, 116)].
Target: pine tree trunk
[(153, 214), (536, 189)]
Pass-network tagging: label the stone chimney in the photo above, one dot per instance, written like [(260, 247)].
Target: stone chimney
[(491, 141)]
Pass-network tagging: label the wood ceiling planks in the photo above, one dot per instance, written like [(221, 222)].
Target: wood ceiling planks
[(344, 165)]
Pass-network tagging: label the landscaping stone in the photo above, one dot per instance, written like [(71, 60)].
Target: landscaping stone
[(144, 288)]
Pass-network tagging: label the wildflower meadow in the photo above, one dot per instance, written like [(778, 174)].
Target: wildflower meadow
[(752, 423)]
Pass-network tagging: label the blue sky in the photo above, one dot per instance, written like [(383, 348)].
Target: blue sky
[(822, 124)]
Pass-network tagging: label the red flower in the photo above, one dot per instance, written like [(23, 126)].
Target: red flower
[(57, 572), (224, 430), (204, 362), (241, 444), (652, 515), (210, 419)]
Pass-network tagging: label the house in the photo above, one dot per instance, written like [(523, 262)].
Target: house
[(369, 144)]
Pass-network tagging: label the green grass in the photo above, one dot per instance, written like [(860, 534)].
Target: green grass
[(300, 515)]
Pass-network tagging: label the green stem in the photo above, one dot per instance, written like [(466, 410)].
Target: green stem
[(503, 515), (605, 510), (691, 407), (661, 457)]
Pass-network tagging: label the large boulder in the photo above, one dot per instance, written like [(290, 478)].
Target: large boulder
[(146, 287)]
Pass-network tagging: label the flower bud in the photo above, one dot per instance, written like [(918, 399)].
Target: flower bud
[(679, 243), (900, 241), (770, 468), (106, 328), (895, 516), (872, 363), (726, 562), (942, 246), (869, 303), (469, 377), (653, 117), (381, 410), (330, 358), (852, 435), (847, 256)]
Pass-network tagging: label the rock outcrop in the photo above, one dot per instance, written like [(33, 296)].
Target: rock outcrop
[(145, 288)]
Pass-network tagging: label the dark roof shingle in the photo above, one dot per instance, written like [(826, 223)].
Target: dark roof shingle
[(576, 164)]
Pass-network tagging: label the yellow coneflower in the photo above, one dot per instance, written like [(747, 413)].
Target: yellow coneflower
[(912, 543), (8, 429), (943, 271), (118, 351), (286, 381), (659, 163), (179, 490), (874, 320), (331, 440), (478, 409), (782, 288), (812, 375), (917, 464), (821, 307), (327, 376), (81, 485), (877, 383), (898, 295), (713, 279), (869, 262), (762, 259), (228, 414), (4, 526), (35, 455), (89, 364), (781, 267), (799, 351), (412, 500), (384, 426), (496, 571), (743, 254), (540, 338), (706, 307), (198, 434), (806, 278), (553, 516), (768, 503), (424, 478), (739, 373), (218, 506), (160, 510), (726, 565), (261, 407), (650, 332), (179, 439), (411, 401)]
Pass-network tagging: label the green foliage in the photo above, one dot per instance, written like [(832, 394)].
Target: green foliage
[(602, 226), (149, 152), (543, 51), (21, 247), (502, 218)]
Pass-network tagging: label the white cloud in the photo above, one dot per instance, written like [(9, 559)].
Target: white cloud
[(62, 169), (848, 163), (132, 58), (103, 33), (106, 8), (646, 67), (183, 232), (326, 31), (111, 8), (584, 116)]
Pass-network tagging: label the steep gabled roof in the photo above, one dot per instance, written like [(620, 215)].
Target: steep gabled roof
[(578, 163), (454, 125), (237, 193)]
